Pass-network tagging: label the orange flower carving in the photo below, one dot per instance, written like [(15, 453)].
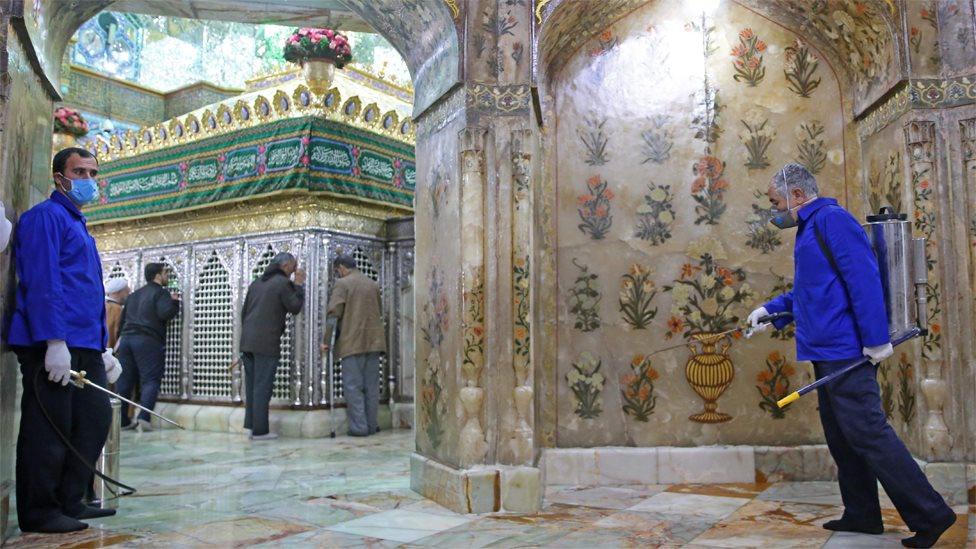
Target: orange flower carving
[(675, 324), (710, 167)]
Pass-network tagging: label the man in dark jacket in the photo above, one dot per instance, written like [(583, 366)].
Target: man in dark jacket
[(269, 299), (838, 305), (142, 343)]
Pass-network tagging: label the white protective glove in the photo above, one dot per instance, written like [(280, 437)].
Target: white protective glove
[(878, 353), (753, 320), (57, 361), (113, 368), (5, 228)]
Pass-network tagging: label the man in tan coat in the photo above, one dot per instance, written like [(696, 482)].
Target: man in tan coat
[(355, 306), (116, 290)]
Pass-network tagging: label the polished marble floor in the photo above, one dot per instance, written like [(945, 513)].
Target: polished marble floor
[(206, 489)]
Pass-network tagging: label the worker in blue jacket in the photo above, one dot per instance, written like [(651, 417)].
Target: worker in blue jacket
[(839, 308), (58, 325)]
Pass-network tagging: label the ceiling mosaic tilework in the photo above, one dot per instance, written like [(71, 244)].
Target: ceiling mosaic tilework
[(165, 53)]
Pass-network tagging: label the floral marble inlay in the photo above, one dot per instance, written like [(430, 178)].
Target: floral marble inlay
[(657, 156), (773, 383), (586, 382), (594, 208), (637, 291), (637, 389)]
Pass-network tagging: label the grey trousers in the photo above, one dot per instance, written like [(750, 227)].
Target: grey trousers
[(259, 376), (361, 387)]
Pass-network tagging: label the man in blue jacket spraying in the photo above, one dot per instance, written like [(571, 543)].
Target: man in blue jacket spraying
[(58, 325), (838, 304)]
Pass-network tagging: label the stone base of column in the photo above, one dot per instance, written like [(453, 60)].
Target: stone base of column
[(402, 414), (483, 489), (608, 466), (5, 516), (287, 423)]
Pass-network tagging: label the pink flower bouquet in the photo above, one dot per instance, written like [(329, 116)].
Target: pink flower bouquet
[(322, 44), (70, 122)]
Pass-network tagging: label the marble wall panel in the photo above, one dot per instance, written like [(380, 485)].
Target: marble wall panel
[(25, 117), (956, 41), (923, 36), (887, 183), (669, 125), (437, 282), (966, 382), (861, 35)]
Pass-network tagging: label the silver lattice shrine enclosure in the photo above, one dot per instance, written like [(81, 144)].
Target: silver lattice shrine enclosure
[(202, 366), (215, 194)]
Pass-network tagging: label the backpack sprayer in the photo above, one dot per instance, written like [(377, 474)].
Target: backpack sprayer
[(902, 265)]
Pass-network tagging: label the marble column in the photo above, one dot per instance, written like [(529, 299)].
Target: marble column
[(476, 395)]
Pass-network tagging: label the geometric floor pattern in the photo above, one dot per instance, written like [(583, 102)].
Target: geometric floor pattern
[(218, 490)]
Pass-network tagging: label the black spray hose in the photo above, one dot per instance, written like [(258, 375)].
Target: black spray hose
[(64, 439)]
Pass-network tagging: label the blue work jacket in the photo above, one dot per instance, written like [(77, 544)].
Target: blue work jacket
[(836, 314), (59, 288)]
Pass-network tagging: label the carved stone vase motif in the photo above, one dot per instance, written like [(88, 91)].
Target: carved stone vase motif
[(709, 372)]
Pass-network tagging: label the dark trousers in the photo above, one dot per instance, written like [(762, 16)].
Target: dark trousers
[(51, 480), (361, 387), (143, 358), (259, 376), (867, 450)]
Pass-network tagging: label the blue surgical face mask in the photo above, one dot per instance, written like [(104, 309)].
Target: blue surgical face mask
[(784, 219), (82, 191)]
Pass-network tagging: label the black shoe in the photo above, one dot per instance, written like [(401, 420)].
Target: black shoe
[(927, 538), (842, 525), (352, 434), (58, 525), (89, 512)]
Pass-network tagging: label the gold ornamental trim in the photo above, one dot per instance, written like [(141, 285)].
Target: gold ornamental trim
[(254, 216), (293, 100), (453, 6), (540, 7)]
